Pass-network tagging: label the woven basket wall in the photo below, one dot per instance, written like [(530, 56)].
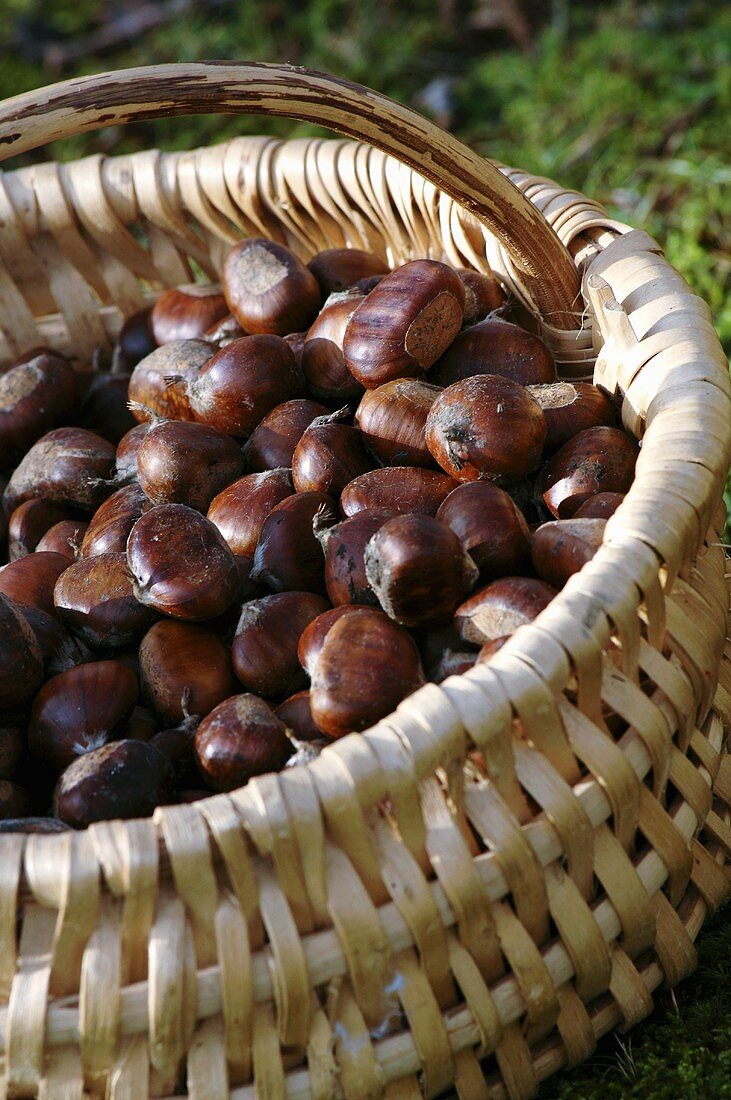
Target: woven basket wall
[(385, 921)]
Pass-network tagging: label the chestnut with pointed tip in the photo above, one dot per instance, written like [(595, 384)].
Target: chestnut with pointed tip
[(402, 327), (268, 289), (59, 649), (264, 649), (392, 419), (596, 460), (30, 580), (68, 466), (123, 779), (240, 509), (64, 538), (398, 490), (490, 526), (344, 544), (157, 385), (323, 362), (28, 524), (337, 269), (563, 546), (94, 598), (186, 312), (241, 738), (570, 407), (600, 506), (272, 443), (501, 607), (35, 396), (21, 661), (312, 638), (288, 554), (113, 520), (483, 294), (495, 346), (329, 456), (184, 669), (184, 463)]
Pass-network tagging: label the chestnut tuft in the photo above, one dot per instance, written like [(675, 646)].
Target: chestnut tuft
[(241, 738)]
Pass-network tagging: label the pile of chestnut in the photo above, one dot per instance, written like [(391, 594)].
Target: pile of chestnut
[(282, 506)]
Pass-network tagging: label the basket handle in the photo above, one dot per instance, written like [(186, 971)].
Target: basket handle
[(88, 103)]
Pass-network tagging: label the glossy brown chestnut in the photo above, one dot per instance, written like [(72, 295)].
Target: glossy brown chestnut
[(264, 648), (239, 510), (67, 466), (105, 407), (345, 543), (121, 780), (288, 555), (563, 546), (21, 661), (296, 714), (392, 419), (495, 346), (243, 382), (312, 638), (30, 580), (157, 385), (483, 294), (64, 538), (272, 443), (402, 327), (328, 457), (80, 710), (397, 490), (366, 666), (597, 460), (134, 342), (15, 801), (186, 312), (95, 600), (184, 669), (268, 289), (323, 362), (490, 526), (486, 427), (183, 463), (113, 520), (125, 466), (59, 650), (501, 607), (339, 268), (28, 524), (241, 738), (418, 569), (35, 396), (180, 563), (570, 407), (600, 506)]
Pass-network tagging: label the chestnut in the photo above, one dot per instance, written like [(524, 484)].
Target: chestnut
[(94, 599), (402, 327), (241, 738), (242, 382), (272, 443), (501, 607), (183, 463), (157, 385), (392, 419), (561, 547), (125, 465), (15, 801), (570, 407), (486, 427), (121, 780), (105, 408), (328, 457), (490, 526), (418, 569), (186, 312), (63, 538), (268, 289), (113, 520), (600, 506), (434, 642), (296, 343), (59, 650), (35, 396), (397, 490), (240, 509), (21, 661), (296, 714), (312, 638), (366, 666), (495, 346), (344, 544), (42, 825), (134, 342), (181, 564), (339, 268), (452, 663), (30, 580), (596, 460), (264, 648), (323, 362), (29, 522), (140, 726), (483, 294), (224, 331), (288, 555), (184, 668), (67, 466), (177, 746), (79, 710)]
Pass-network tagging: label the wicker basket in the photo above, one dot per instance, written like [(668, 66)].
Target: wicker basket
[(382, 922)]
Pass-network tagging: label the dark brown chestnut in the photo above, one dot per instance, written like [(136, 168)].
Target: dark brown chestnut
[(180, 563), (344, 544), (157, 385), (570, 407), (121, 780), (64, 538), (35, 396), (402, 327), (418, 569), (241, 738), (28, 524), (288, 555), (296, 342), (134, 342), (30, 580), (563, 546), (95, 600), (486, 427), (600, 506), (240, 509), (392, 419), (59, 649), (186, 312), (67, 466), (105, 408), (125, 466), (184, 463), (366, 666), (79, 710), (490, 526), (398, 490), (501, 607), (272, 443), (338, 268), (268, 289), (177, 745), (597, 460), (323, 362), (495, 346), (264, 648), (184, 669), (296, 714), (112, 522), (21, 661), (329, 456), (312, 638), (483, 294)]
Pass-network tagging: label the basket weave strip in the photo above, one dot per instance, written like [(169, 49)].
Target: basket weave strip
[(389, 920)]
